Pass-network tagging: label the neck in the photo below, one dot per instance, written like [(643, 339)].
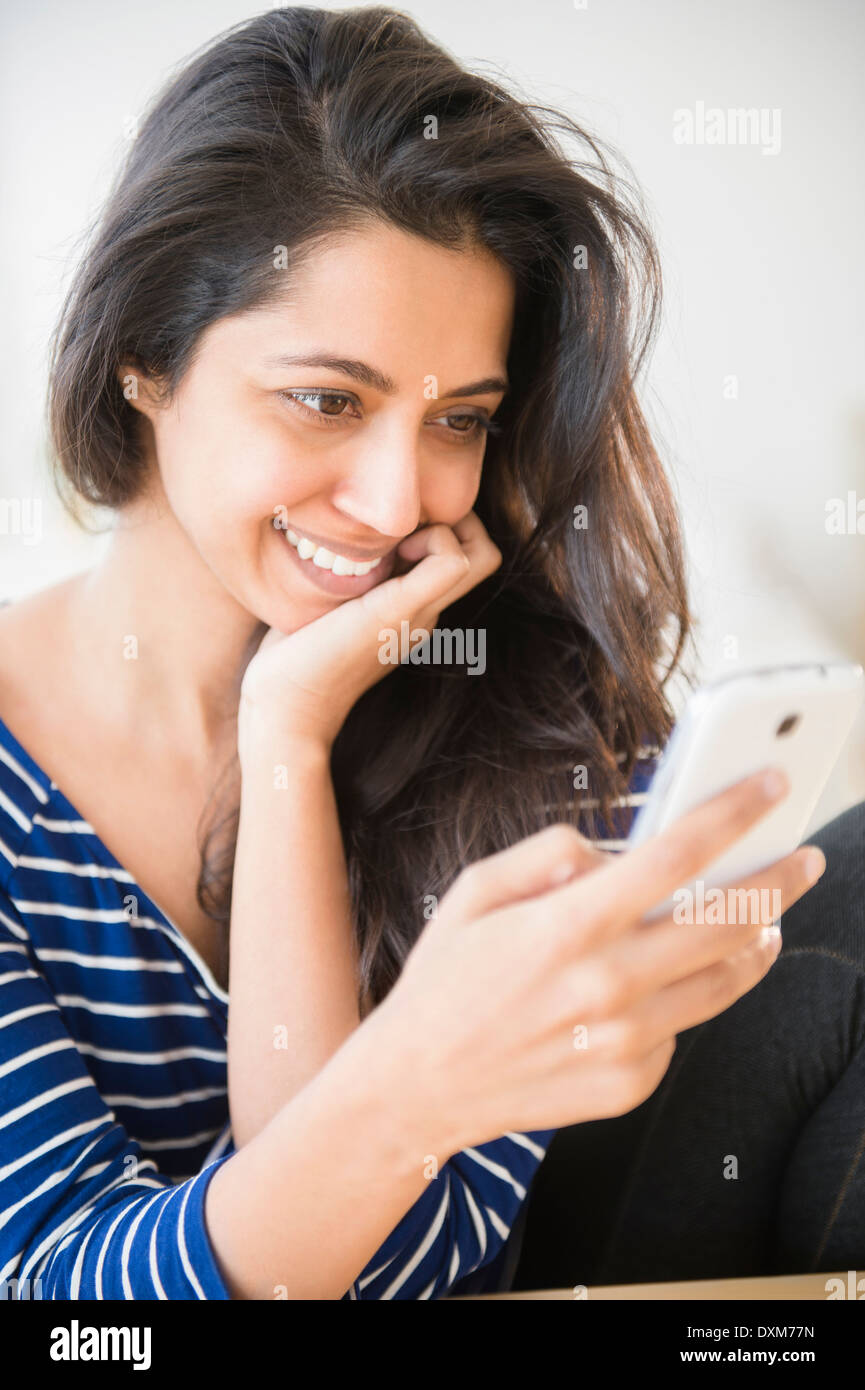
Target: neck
[(156, 638)]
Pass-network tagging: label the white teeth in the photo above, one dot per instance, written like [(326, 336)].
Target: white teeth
[(326, 559)]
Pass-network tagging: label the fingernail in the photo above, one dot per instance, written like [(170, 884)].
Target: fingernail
[(770, 937), (774, 783), (815, 864)]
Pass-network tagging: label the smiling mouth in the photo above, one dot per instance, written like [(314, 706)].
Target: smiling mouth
[(326, 559), (332, 573)]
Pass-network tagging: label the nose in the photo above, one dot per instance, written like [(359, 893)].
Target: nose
[(381, 488)]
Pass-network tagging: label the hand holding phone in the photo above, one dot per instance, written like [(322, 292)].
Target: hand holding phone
[(796, 718)]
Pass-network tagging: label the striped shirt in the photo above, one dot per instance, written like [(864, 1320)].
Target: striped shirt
[(113, 1088)]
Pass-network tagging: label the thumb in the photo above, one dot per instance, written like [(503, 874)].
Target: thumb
[(531, 868)]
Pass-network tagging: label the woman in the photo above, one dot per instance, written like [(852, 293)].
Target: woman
[(351, 352)]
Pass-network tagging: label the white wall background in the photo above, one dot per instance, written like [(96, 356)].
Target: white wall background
[(762, 254)]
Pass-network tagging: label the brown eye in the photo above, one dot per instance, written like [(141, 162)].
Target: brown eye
[(330, 407), (468, 428)]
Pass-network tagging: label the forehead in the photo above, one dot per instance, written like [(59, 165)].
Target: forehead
[(406, 303)]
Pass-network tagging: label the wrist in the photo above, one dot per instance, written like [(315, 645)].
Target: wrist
[(394, 1052), (265, 738)]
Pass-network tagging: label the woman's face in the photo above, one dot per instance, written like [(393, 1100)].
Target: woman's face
[(375, 428)]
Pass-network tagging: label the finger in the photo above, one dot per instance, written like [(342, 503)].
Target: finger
[(645, 961), (441, 564), (624, 890), (689, 1002), (481, 549), (607, 1088), (522, 871), (429, 540), (468, 537), (471, 532), (758, 899)]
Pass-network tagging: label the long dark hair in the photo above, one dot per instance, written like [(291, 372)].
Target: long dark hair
[(282, 131)]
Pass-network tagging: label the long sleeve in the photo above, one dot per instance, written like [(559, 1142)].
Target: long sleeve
[(83, 1214), (86, 1216), (459, 1223)]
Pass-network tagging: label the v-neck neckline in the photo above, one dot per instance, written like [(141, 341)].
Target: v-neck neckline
[(162, 918)]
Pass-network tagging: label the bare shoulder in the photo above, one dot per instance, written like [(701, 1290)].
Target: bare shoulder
[(31, 637)]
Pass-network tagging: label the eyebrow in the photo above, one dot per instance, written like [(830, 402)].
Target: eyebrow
[(371, 376)]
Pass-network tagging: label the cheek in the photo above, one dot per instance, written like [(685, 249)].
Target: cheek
[(451, 492), (224, 484)]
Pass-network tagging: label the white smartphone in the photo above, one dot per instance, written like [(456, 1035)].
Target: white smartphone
[(794, 717)]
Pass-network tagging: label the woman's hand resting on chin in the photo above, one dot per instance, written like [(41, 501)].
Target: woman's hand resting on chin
[(305, 684)]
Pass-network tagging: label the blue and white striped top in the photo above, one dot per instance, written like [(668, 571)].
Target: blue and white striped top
[(113, 1089)]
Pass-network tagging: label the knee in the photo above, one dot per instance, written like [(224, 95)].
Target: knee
[(831, 915), (842, 840)]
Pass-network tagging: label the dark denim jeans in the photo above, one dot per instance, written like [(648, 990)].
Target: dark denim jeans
[(749, 1157)]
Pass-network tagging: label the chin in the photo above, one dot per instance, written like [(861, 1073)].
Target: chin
[(290, 612)]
